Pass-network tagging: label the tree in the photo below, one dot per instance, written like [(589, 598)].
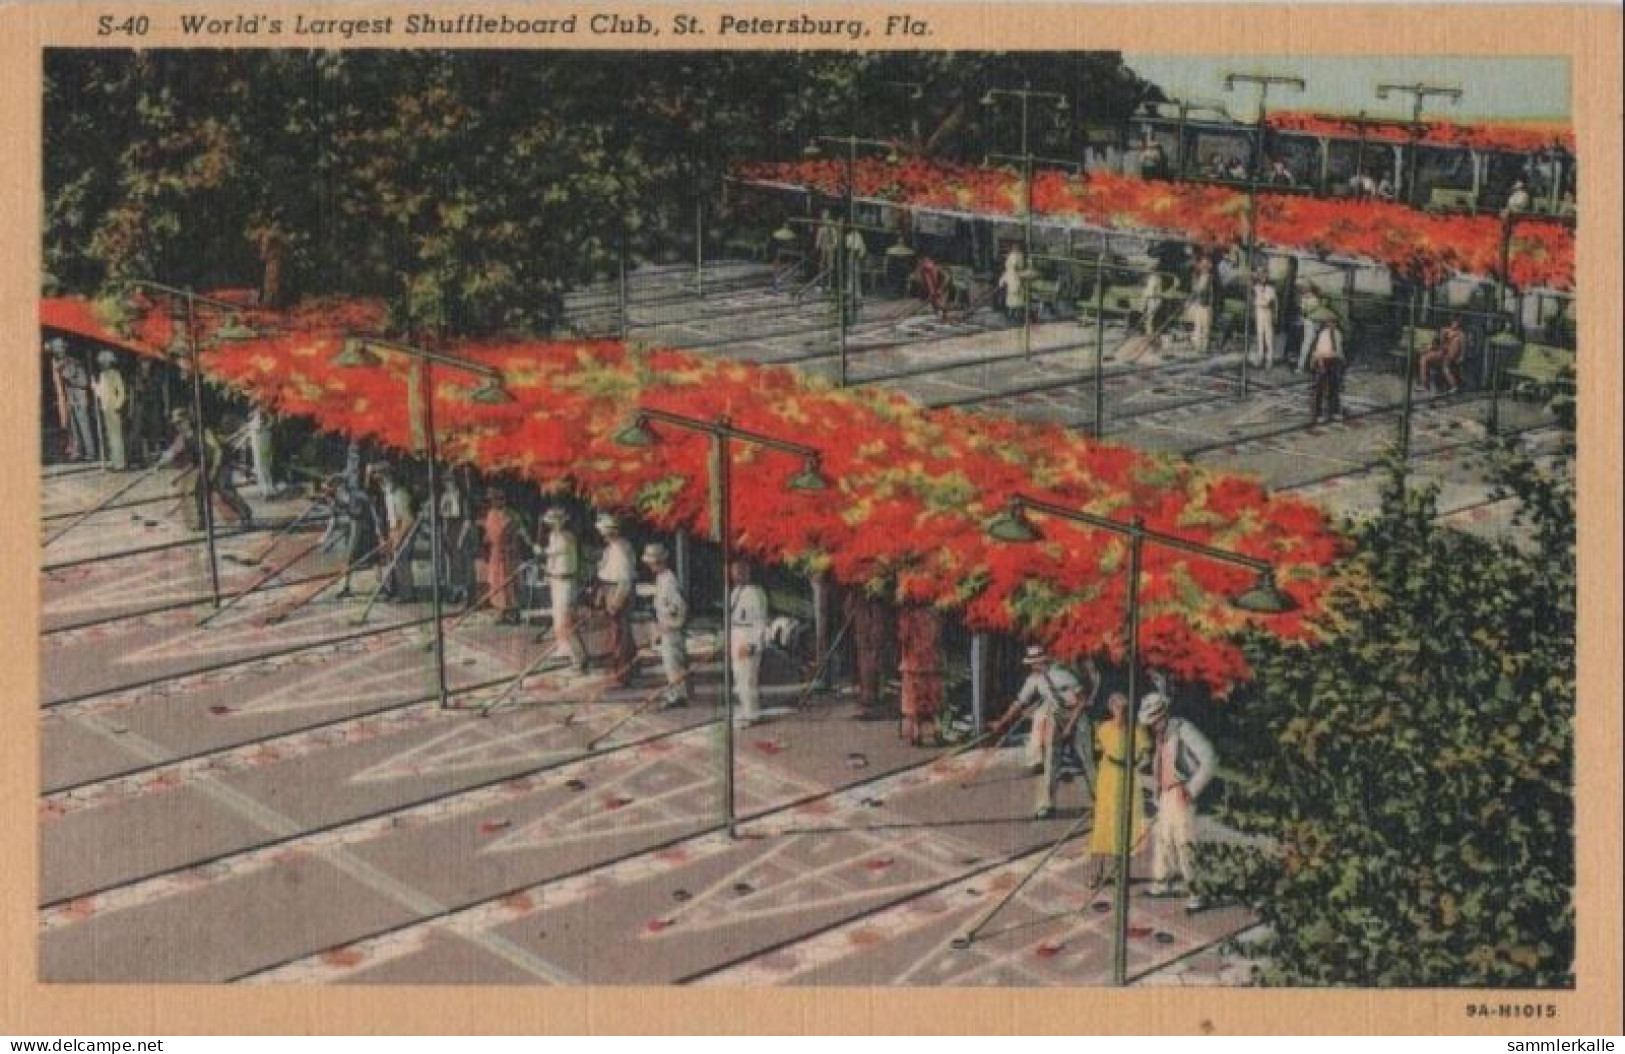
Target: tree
[(469, 189), (1413, 773)]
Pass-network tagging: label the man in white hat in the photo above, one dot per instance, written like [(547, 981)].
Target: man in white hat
[(671, 616), (1517, 200), (1060, 715), (747, 636), (112, 397), (563, 559), (1183, 763), (75, 380), (617, 575)]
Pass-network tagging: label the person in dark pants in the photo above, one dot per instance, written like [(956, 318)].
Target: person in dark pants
[(871, 643), (1326, 364)]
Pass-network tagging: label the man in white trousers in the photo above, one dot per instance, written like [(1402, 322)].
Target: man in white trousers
[(747, 610), (563, 562), (1264, 302), (671, 617), (112, 397), (617, 577), (1183, 763)]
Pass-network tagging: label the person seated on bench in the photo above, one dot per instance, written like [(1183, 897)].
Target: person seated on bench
[(1446, 352)]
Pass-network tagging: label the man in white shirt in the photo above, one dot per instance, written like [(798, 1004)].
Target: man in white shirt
[(112, 396), (617, 574), (1264, 319), (1200, 311), (399, 521), (1183, 763), (1055, 696), (671, 617), (563, 559), (747, 633), (1326, 365)]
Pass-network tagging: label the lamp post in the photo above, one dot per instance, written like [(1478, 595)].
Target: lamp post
[(1410, 381), (1264, 597), (898, 251), (195, 365), (1502, 347), (359, 352), (848, 222), (722, 432), (1419, 92), (1026, 95), (1264, 81)]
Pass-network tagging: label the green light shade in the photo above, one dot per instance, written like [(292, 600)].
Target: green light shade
[(811, 150), (1012, 525), (637, 434), (491, 393), (988, 99), (1323, 315), (809, 478), (1506, 340), (900, 251), (235, 330), (784, 235), (893, 157), (1063, 104), (1265, 597), (355, 353)]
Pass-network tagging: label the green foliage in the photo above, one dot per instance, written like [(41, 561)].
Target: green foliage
[(470, 189), (1414, 772)]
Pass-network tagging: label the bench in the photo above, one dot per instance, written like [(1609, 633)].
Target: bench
[(1444, 199), (1539, 371), (1424, 340), (1121, 301)]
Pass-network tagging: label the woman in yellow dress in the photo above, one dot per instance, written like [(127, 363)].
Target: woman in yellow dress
[(1109, 742)]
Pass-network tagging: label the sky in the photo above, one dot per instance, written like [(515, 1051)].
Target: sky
[(1492, 88)]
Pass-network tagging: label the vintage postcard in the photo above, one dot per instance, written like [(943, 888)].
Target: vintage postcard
[(731, 518)]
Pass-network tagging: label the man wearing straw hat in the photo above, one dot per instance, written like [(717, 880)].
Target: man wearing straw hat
[(1183, 763), (671, 616), (75, 382), (1055, 694), (1326, 365), (112, 397), (563, 562), (617, 575)]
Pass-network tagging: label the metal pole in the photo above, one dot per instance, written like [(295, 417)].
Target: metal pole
[(843, 264), (1492, 354), (425, 377), (1026, 233), (699, 245), (978, 681), (620, 290), (1100, 346), (1410, 379), (204, 469), (724, 530), (1125, 807)]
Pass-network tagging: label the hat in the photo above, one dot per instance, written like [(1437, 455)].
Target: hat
[(106, 358), (1035, 655), (655, 553), (556, 516), (606, 522), (180, 413), (1153, 707)]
